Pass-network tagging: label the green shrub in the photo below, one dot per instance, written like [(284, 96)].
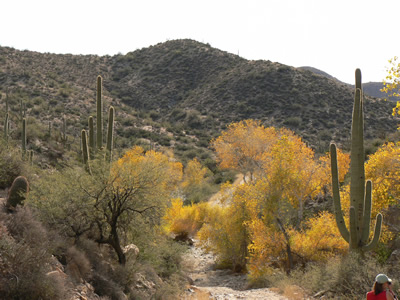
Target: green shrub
[(11, 164), (26, 259)]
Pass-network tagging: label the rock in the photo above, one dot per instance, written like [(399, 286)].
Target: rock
[(145, 287), (57, 274), (84, 291), (394, 258), (131, 252)]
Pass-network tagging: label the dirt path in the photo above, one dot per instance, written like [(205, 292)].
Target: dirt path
[(209, 283)]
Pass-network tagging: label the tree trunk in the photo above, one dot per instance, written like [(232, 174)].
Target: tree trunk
[(288, 250), (115, 243)]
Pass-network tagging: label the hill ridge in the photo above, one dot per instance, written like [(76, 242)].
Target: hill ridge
[(185, 86)]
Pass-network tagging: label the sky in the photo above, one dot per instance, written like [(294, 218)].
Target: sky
[(334, 36)]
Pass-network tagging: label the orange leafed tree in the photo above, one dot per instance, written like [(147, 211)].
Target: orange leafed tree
[(284, 173), (194, 174), (391, 84), (242, 146), (383, 168)]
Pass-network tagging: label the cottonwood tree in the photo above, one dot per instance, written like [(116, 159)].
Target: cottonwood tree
[(284, 172), (242, 145), (391, 84)]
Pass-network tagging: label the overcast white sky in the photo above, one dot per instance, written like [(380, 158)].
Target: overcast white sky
[(335, 36)]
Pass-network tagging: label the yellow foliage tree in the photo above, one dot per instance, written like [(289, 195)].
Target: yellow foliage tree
[(292, 172), (383, 168), (242, 145), (284, 173), (185, 221), (319, 240), (391, 84), (194, 174), (278, 156)]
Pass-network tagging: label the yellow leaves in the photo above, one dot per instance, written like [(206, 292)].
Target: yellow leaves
[(242, 146), (138, 166), (186, 220), (320, 240), (194, 173), (383, 168), (391, 84)]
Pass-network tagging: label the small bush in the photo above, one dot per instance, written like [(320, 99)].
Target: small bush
[(348, 277), (25, 260), (11, 164)]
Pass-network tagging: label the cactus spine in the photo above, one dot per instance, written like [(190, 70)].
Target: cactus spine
[(99, 121), (85, 150), (18, 192), (110, 133), (360, 191)]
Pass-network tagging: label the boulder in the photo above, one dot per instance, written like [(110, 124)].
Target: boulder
[(131, 252)]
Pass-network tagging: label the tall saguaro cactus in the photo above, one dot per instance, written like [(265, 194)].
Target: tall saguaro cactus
[(99, 120), (110, 133), (360, 191), (23, 137), (85, 150), (6, 128)]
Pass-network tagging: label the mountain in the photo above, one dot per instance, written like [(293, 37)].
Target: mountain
[(182, 93), (372, 89), (319, 72)]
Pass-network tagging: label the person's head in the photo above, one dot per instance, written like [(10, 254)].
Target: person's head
[(382, 282)]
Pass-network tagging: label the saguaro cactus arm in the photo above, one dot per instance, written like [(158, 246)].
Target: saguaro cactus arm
[(367, 213), (99, 120), (91, 138), (336, 195), (85, 150), (377, 234)]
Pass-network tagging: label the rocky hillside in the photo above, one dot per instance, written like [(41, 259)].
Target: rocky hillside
[(372, 89), (182, 93)]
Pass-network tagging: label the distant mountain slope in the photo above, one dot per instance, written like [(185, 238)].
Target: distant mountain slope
[(187, 92), (370, 88), (184, 76), (319, 72)]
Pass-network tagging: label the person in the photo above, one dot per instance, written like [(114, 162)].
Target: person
[(382, 289)]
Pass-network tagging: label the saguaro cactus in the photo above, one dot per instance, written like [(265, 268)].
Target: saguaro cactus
[(6, 128), (23, 137), (91, 137), (360, 191), (99, 120), (64, 137), (110, 133), (85, 150)]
